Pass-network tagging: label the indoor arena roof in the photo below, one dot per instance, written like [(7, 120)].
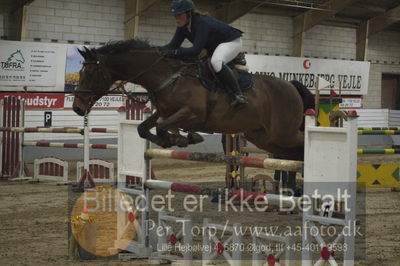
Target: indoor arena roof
[(347, 13)]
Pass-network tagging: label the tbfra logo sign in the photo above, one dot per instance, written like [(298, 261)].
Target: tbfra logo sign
[(15, 61), (35, 66), (348, 77)]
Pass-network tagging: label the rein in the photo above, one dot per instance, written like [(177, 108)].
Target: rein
[(121, 87)]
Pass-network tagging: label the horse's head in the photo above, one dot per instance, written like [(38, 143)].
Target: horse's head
[(94, 82)]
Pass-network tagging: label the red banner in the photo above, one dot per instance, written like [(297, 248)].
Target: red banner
[(39, 100)]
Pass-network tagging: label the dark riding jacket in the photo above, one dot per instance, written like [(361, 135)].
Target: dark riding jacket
[(205, 32)]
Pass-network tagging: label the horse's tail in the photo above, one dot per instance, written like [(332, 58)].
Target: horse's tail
[(306, 96)]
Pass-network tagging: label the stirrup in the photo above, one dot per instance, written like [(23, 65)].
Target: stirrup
[(239, 99)]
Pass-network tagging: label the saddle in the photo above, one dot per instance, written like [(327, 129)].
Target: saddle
[(208, 78)]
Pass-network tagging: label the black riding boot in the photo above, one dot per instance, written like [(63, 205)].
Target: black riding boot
[(227, 77)]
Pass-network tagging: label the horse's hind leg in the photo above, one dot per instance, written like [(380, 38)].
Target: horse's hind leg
[(290, 139), (259, 138), (263, 141)]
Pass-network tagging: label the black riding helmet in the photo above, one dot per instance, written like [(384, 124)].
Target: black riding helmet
[(181, 6)]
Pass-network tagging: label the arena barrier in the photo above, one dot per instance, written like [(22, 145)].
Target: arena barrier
[(336, 170), (102, 171), (11, 152), (12, 133), (50, 168)]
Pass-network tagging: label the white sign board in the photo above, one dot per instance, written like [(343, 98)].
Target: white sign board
[(37, 66), (351, 103), (111, 101), (346, 77)]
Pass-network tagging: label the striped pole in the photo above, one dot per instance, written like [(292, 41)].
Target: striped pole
[(378, 132), (379, 128), (272, 199), (378, 151), (255, 162), (56, 130), (69, 145)]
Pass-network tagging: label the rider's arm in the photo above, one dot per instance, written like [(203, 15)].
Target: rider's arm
[(199, 43), (176, 41)]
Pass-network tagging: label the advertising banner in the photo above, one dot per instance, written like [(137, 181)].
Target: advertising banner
[(32, 66), (346, 77), (39, 100), (112, 101)]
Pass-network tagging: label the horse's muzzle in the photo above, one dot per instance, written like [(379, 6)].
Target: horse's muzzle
[(79, 111)]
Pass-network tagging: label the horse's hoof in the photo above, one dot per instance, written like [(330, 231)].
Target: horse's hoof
[(195, 138), (182, 144), (164, 144), (179, 141)]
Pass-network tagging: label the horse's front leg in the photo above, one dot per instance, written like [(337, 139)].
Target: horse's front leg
[(144, 131)]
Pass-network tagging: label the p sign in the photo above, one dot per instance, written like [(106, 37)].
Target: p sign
[(47, 119)]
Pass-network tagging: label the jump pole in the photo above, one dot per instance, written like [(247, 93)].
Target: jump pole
[(64, 130), (255, 162), (379, 128), (273, 199), (69, 145), (86, 155)]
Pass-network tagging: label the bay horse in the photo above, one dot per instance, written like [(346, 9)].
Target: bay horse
[(271, 120)]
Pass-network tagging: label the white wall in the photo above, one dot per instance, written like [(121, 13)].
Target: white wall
[(330, 42), (91, 21), (5, 25), (384, 46)]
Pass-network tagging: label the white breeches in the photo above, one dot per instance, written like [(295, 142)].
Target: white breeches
[(225, 52)]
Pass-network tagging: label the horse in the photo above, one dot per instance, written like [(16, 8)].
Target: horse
[(271, 120)]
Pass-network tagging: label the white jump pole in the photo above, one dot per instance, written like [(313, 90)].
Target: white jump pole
[(86, 155), (86, 140)]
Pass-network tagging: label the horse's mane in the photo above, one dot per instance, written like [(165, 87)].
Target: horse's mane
[(124, 46)]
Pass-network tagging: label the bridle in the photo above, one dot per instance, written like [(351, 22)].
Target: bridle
[(121, 87)]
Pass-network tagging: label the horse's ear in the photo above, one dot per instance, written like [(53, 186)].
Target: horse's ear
[(82, 53), (90, 53)]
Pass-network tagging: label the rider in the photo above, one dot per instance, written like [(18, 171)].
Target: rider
[(205, 32)]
